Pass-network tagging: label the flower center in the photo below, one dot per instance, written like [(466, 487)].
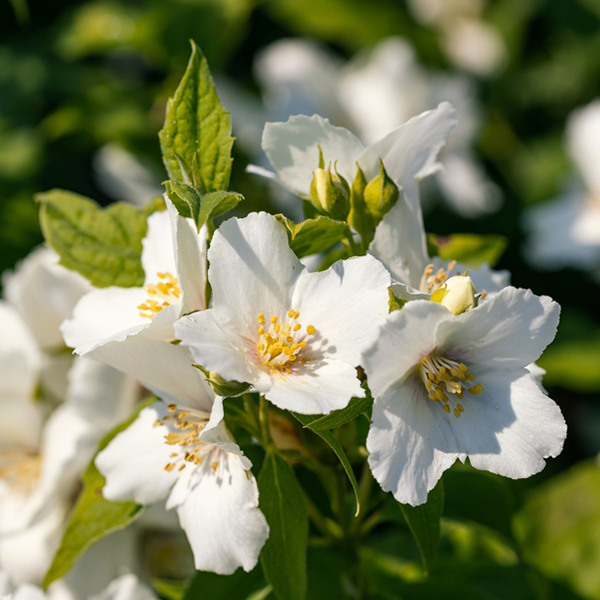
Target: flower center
[(160, 295), (20, 471), (446, 380), (188, 424), (281, 344), (432, 281)]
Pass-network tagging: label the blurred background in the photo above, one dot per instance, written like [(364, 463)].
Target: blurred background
[(83, 88)]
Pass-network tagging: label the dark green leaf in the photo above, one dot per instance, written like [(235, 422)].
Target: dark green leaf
[(314, 235), (93, 517), (215, 204), (328, 437), (237, 586), (283, 556), (469, 248), (197, 130), (104, 245), (424, 523)]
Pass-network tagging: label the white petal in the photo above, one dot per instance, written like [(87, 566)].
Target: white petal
[(406, 338), (400, 243), (20, 422), (346, 304), (511, 427), (190, 249), (221, 517), (292, 149), (27, 591), (45, 294), (126, 587), (105, 315), (411, 150), (133, 462), (158, 254), (315, 388), (583, 131), (410, 444), (252, 270), (510, 330)]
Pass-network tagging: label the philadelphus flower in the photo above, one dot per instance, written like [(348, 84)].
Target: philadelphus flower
[(295, 336), (400, 243), (449, 387)]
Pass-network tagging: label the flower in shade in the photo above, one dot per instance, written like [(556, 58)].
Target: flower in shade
[(295, 336), (452, 387)]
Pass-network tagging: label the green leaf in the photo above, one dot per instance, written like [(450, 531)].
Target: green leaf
[(237, 586), (395, 303), (559, 528), (185, 198), (329, 438), (337, 418), (197, 130), (283, 556), (93, 517), (424, 523), (469, 248), (104, 245), (480, 497), (215, 204), (314, 235)]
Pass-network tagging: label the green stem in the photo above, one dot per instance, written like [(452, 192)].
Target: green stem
[(330, 529), (364, 492), (267, 442)]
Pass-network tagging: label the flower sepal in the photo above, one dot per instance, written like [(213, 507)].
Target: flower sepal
[(222, 387)]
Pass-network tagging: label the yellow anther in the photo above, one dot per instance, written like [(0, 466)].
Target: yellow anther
[(302, 344), (289, 339), (273, 320), (310, 330), (445, 408), (277, 328), (157, 424), (456, 412), (261, 319), (171, 407), (261, 331), (460, 407), (451, 265), (215, 465), (169, 466), (181, 467), (297, 327), (291, 314)]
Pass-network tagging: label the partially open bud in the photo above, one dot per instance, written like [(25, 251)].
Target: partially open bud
[(330, 193), (222, 387), (457, 294), (381, 194)]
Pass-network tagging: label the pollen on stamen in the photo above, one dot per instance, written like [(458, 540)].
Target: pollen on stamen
[(215, 465), (161, 295)]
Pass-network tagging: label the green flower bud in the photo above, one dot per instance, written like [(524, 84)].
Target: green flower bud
[(381, 194), (359, 216), (222, 387), (458, 294), (330, 193)]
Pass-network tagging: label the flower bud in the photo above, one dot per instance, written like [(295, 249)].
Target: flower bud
[(330, 193), (359, 216), (457, 294), (381, 194), (222, 387)]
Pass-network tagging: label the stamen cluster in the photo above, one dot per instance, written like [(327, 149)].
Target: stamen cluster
[(162, 294), (432, 281), (442, 376), (282, 344)]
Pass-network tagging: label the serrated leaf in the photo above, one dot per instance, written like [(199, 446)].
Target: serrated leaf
[(103, 244), (283, 557), (314, 235), (337, 418), (197, 129), (185, 198), (329, 438), (469, 248), (93, 517), (237, 586), (424, 523), (215, 204)]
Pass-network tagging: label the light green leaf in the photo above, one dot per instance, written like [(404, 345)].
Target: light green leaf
[(283, 556), (237, 586), (103, 244), (328, 437), (337, 418), (215, 204), (185, 198), (424, 523), (314, 235), (197, 129), (93, 517), (469, 248)]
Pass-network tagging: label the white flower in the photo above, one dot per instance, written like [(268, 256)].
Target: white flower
[(450, 387), (183, 452), (295, 336), (566, 230), (400, 244), (119, 325), (409, 152)]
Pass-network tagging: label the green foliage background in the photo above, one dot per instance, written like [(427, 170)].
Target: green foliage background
[(77, 75)]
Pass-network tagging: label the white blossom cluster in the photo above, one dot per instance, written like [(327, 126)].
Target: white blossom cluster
[(451, 371)]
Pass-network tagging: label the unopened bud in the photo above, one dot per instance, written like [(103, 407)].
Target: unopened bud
[(359, 216), (330, 193), (381, 194), (457, 294), (222, 387)]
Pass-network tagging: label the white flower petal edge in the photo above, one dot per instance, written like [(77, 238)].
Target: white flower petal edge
[(504, 424), (322, 321)]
